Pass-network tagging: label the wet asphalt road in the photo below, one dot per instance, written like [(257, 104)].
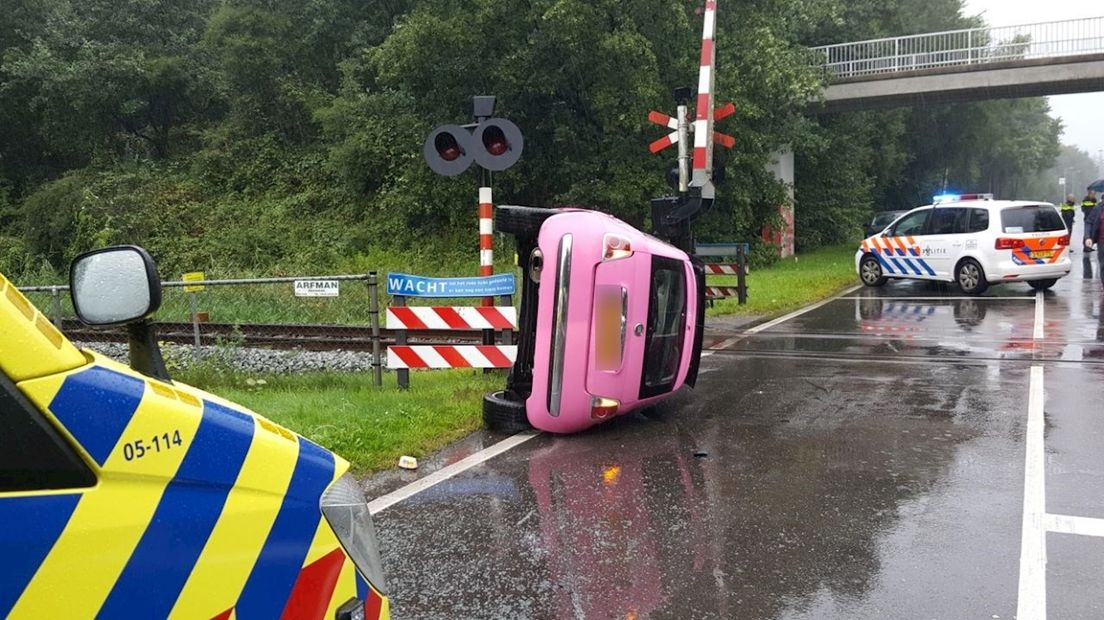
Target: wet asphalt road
[(865, 459)]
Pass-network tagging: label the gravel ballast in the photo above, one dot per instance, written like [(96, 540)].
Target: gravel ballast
[(249, 360)]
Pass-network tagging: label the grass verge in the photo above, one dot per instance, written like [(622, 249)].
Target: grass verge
[(791, 283), (369, 426)]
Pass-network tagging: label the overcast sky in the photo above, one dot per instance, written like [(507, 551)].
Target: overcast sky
[(1082, 115)]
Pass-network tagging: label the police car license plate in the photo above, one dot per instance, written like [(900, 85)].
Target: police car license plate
[(1042, 253)]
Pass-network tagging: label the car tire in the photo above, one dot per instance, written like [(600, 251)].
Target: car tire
[(1042, 285), (521, 221), (504, 415), (870, 271), (970, 277)]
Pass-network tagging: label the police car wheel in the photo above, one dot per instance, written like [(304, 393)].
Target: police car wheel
[(970, 277), (520, 221), (504, 415), (1042, 285), (870, 272)]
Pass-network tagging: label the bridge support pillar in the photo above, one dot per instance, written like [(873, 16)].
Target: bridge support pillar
[(781, 165)]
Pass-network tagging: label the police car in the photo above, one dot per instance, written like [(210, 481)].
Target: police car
[(124, 494), (971, 240)]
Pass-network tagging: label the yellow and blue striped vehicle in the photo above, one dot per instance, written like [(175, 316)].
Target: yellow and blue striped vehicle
[(125, 496)]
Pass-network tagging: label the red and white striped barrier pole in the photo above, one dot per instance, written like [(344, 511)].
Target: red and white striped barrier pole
[(703, 122), (486, 237), (704, 117)]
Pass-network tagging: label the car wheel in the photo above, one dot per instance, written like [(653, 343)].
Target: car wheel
[(971, 277), (504, 415), (520, 221), (870, 271), (1042, 285)]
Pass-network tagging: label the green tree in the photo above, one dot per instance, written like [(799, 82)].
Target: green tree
[(99, 75)]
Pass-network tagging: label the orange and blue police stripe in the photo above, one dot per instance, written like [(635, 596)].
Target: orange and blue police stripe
[(200, 511), (1041, 251), (897, 255)]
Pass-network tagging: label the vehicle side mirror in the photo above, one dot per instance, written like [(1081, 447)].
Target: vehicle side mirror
[(119, 285), (114, 286)]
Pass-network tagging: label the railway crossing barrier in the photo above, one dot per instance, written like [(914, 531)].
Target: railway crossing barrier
[(738, 267), (501, 319)]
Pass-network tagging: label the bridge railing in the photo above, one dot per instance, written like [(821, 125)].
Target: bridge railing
[(961, 47)]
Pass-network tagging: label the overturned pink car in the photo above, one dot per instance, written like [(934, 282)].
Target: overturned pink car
[(611, 320)]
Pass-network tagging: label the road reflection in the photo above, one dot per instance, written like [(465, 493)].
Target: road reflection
[(746, 516)]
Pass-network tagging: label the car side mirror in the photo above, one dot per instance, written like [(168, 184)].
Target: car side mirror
[(114, 286), (120, 285)]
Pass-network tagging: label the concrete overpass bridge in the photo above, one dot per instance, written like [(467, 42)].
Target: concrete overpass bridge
[(1053, 58), (1033, 60)]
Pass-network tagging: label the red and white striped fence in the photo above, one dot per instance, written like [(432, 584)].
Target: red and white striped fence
[(401, 356), (724, 269), (720, 292), (452, 317), (451, 356)]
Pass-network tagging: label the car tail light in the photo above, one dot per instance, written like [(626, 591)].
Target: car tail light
[(1004, 243), (1064, 240), (602, 408), (615, 247)]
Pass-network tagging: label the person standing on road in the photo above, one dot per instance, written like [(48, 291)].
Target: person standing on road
[(1068, 212), (1087, 203), (1094, 235)]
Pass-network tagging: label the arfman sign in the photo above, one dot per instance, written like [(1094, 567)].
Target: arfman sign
[(317, 288)]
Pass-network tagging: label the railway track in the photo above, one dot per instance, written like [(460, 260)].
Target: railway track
[(275, 336)]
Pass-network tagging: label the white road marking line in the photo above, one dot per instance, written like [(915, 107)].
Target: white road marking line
[(1039, 305), (799, 312), (1031, 602), (386, 501), (1068, 524), (946, 297)]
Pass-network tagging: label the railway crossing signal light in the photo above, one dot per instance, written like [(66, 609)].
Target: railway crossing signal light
[(448, 150), (673, 177), (493, 143), (498, 144), (447, 147)]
